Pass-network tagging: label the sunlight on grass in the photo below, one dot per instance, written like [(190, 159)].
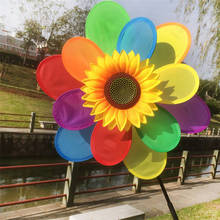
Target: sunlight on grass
[(19, 104), (204, 211)]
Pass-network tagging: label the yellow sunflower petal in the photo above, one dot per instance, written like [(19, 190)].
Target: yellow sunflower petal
[(154, 76), (134, 117), (144, 74), (112, 125), (95, 72), (115, 55), (110, 67), (98, 117), (131, 55), (155, 91), (123, 61), (94, 83), (100, 107), (85, 89), (134, 65), (121, 119), (88, 90), (150, 97), (127, 126), (153, 106), (94, 96), (143, 119), (144, 108), (88, 104), (101, 62), (109, 116), (149, 84)]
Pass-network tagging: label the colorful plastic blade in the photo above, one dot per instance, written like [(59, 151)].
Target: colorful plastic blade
[(53, 78), (139, 35), (69, 113), (74, 145), (193, 116), (173, 43), (104, 24), (109, 147), (161, 133), (77, 55), (143, 162), (179, 83)]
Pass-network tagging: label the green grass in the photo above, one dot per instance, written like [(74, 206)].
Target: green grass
[(19, 104), (204, 211), (19, 76)]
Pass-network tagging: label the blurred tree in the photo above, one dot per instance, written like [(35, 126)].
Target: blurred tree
[(30, 35), (56, 22), (207, 89), (70, 24), (208, 25)]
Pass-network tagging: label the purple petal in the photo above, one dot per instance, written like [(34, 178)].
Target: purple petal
[(193, 116), (69, 113)]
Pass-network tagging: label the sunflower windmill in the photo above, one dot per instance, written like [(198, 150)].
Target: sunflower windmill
[(122, 92)]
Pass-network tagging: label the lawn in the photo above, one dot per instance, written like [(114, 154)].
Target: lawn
[(204, 211), (19, 76), (19, 104)]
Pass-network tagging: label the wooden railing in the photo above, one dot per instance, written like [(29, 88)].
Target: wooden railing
[(178, 169), (25, 121)]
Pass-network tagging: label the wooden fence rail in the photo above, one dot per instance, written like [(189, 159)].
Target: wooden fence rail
[(32, 121), (74, 176)]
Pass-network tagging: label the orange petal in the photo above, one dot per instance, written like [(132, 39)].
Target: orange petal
[(77, 54)]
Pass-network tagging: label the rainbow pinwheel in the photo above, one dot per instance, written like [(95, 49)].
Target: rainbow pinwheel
[(122, 93)]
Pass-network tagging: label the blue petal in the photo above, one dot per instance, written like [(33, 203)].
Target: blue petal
[(74, 145), (139, 35)]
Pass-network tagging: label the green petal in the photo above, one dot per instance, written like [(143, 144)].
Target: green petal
[(162, 132), (104, 24)]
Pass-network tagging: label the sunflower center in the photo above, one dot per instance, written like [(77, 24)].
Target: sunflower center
[(122, 91)]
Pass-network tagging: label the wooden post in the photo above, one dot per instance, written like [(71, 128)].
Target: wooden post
[(32, 122), (215, 163), (182, 170), (70, 185), (213, 132), (138, 183)]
